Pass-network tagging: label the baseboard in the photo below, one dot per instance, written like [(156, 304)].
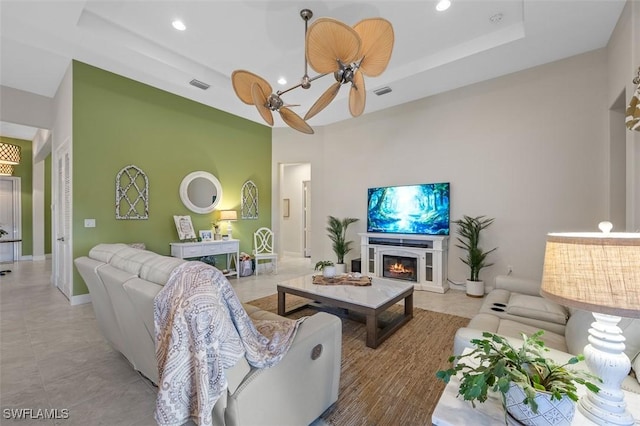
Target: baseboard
[(80, 299), (49, 256), (39, 258), (24, 258)]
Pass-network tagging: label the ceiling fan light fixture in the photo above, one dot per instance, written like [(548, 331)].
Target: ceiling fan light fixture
[(443, 5), (331, 47)]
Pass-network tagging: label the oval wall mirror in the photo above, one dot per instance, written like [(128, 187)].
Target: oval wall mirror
[(200, 192)]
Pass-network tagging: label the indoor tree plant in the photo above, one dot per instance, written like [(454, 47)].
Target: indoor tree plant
[(469, 229), (327, 267), (517, 373), (337, 230)]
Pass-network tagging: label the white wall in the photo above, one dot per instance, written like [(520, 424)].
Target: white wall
[(26, 108), (526, 149), (623, 58), (293, 176)]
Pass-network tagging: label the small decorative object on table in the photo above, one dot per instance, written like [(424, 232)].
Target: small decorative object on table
[(206, 235), (542, 387), (327, 267), (350, 279)]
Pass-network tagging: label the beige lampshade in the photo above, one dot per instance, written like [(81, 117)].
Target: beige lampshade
[(228, 215), (598, 272), (9, 153), (6, 169)]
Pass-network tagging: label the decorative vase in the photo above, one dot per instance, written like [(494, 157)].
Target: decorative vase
[(550, 411), (341, 268), (475, 288), (329, 271)]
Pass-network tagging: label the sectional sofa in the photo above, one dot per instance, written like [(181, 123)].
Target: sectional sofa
[(123, 282), (515, 306)]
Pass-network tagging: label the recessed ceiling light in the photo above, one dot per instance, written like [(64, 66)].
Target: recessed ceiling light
[(282, 81), (443, 5), (179, 25)]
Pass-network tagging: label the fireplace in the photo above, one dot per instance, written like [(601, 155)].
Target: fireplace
[(400, 267)]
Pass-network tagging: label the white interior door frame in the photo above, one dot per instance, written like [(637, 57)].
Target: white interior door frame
[(15, 210)]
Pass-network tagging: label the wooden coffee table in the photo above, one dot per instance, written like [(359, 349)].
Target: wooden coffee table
[(369, 301)]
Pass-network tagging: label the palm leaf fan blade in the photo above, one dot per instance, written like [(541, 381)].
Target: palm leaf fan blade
[(329, 40), (323, 100), (294, 121), (377, 39), (242, 81), (260, 101), (357, 95)]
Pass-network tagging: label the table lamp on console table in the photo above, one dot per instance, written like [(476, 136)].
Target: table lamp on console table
[(229, 215), (598, 272)]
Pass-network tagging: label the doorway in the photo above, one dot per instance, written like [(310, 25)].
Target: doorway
[(62, 267), (295, 225), (10, 214)]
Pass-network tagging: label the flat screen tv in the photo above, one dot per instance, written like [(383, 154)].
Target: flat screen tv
[(409, 209)]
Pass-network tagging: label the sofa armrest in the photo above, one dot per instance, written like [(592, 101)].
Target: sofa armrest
[(299, 388), (518, 285)]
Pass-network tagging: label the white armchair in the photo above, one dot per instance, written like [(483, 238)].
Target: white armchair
[(263, 248)]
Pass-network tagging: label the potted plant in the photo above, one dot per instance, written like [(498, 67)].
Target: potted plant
[(327, 267), (523, 376), (337, 230), (469, 230)]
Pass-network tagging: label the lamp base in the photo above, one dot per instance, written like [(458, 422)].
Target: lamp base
[(605, 357)]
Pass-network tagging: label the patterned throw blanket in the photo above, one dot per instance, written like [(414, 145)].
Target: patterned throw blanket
[(201, 328)]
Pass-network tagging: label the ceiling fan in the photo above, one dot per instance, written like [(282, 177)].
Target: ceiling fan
[(331, 47)]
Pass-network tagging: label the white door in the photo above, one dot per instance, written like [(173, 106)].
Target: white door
[(10, 217), (306, 221), (62, 277)]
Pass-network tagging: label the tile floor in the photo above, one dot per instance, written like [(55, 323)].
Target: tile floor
[(52, 355)]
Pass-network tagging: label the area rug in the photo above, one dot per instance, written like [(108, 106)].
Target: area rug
[(394, 384)]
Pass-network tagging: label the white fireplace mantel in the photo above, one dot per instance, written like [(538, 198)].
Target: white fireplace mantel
[(429, 250)]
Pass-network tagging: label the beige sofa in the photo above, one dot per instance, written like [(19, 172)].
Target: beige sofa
[(515, 307), (123, 282)]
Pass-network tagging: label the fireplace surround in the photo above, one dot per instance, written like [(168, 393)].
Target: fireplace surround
[(427, 252)]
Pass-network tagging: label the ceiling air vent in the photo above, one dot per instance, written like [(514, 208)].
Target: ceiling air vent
[(199, 84), (382, 91)]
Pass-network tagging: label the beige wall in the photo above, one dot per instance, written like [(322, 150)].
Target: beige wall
[(527, 149)]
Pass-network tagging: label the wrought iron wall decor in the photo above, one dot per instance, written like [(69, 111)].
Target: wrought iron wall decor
[(132, 194), (249, 200)]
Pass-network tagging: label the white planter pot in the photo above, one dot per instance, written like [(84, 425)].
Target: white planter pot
[(550, 411), (329, 271), (475, 288), (341, 268)]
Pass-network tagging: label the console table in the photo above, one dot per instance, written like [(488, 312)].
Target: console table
[(230, 248)]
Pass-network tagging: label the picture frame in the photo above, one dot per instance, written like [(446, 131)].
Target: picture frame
[(184, 227), (285, 207), (206, 234)]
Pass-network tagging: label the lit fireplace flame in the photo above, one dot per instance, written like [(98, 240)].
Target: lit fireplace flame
[(399, 269)]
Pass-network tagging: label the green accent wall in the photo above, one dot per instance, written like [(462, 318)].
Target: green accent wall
[(24, 171), (119, 122)]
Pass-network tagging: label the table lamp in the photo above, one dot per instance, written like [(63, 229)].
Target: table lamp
[(598, 272), (228, 215)]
